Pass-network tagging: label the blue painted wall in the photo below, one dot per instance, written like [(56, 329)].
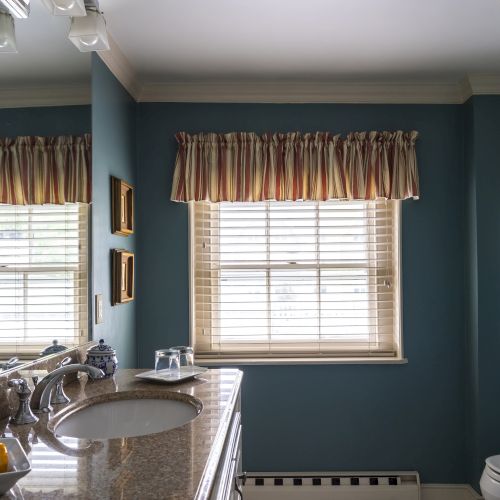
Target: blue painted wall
[(483, 269), (332, 416), (45, 121), (113, 153)]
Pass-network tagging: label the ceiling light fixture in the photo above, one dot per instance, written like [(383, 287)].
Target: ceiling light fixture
[(74, 8), (89, 33), (18, 8), (7, 33)]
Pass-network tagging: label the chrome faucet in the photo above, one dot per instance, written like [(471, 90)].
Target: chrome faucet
[(40, 400), (23, 414)]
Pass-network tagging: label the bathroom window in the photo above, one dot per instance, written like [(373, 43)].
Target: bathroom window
[(295, 280), (43, 277)]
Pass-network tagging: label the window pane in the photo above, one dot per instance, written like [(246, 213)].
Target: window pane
[(243, 306), (294, 305), (242, 234), (292, 232)]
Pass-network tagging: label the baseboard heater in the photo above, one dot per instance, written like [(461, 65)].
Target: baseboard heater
[(332, 485)]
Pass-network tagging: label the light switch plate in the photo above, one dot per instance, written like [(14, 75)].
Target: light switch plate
[(99, 309)]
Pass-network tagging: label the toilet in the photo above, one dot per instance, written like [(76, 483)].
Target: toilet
[(490, 480)]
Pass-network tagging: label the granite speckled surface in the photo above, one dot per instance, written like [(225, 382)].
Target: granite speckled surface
[(175, 464)]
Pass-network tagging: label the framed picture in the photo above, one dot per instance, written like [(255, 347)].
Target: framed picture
[(123, 276), (122, 207)]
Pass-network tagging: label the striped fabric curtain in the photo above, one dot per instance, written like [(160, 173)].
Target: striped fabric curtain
[(39, 170), (294, 166)]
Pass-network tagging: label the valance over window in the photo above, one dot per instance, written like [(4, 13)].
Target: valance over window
[(289, 167), (39, 170)]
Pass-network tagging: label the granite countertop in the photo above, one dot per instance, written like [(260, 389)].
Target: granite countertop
[(175, 464)]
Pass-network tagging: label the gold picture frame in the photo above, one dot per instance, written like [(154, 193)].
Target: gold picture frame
[(122, 207), (123, 276)]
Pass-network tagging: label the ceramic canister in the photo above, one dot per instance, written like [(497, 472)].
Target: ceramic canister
[(104, 357)]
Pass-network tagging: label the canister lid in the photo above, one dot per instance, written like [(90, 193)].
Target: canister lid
[(55, 347), (100, 348)]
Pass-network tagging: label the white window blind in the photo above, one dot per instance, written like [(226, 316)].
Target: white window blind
[(43, 277), (295, 279)]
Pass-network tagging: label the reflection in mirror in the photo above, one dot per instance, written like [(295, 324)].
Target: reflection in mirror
[(45, 155)]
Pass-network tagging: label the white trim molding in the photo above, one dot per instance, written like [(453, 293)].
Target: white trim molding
[(408, 481), (485, 84), (389, 92), (304, 92), (119, 65), (427, 492), (50, 95), (299, 361), (379, 92)]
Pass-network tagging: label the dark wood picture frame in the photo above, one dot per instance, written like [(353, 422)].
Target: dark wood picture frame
[(122, 207), (122, 276)]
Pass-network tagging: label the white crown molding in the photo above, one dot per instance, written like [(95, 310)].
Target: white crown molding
[(464, 89), (306, 92), (49, 95), (485, 84), (256, 92), (119, 65)]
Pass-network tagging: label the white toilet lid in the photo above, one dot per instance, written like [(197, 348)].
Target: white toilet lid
[(494, 463)]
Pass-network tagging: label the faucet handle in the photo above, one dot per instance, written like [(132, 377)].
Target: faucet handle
[(20, 386), (24, 414), (58, 396), (66, 361)]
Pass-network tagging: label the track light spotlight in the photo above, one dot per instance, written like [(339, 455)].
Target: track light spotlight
[(19, 9), (89, 33), (7, 33), (74, 8)]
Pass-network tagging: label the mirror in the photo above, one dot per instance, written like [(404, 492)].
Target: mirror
[(44, 92)]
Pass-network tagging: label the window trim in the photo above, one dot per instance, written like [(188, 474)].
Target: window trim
[(215, 360)]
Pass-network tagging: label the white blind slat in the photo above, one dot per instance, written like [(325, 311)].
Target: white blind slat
[(295, 279), (43, 277)]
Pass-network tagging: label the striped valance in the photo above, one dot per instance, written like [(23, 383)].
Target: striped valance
[(288, 167), (39, 170)]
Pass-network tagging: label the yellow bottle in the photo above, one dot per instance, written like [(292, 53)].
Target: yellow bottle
[(4, 458)]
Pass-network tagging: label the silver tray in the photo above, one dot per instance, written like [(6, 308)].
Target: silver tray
[(172, 376)]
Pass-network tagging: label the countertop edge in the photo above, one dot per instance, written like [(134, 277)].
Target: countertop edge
[(208, 477)]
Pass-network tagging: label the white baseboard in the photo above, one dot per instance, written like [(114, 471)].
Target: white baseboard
[(427, 492), (448, 492), (409, 482)]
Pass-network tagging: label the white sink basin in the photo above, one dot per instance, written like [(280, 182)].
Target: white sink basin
[(126, 418)]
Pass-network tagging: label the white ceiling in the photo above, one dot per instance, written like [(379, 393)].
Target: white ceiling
[(45, 55), (306, 40)]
